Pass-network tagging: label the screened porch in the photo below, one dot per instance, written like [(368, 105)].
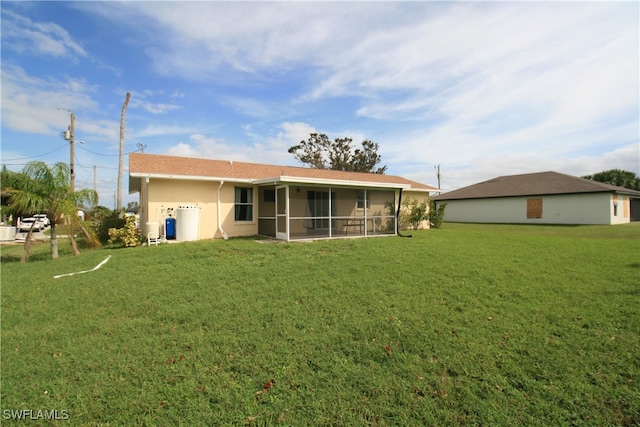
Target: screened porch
[(294, 212)]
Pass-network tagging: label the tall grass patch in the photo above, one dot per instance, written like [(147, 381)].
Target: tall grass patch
[(468, 324)]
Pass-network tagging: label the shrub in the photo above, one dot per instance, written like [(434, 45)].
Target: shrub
[(436, 216), (412, 213), (129, 235), (104, 219), (417, 212)]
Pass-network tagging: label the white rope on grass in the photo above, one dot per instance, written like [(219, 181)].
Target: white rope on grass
[(85, 271)]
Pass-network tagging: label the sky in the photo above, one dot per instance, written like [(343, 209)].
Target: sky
[(480, 89)]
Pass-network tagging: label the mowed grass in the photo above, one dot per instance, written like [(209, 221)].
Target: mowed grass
[(466, 325)]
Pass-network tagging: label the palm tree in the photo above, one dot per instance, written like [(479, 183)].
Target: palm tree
[(40, 188)]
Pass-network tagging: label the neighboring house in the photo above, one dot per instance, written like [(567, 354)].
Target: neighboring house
[(539, 198), (220, 198)]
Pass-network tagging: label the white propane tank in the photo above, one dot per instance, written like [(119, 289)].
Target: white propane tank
[(151, 226), (187, 223)]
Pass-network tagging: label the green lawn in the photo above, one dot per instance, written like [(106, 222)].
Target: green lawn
[(465, 325)]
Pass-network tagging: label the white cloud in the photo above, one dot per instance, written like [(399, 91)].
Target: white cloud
[(203, 146), (183, 150), (272, 150), (155, 108), (484, 89), (37, 105), (154, 130), (292, 133), (250, 107), (622, 157), (40, 38), (142, 99)]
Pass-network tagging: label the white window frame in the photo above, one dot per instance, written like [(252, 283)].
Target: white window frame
[(238, 203)]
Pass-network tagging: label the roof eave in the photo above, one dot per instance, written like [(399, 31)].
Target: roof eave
[(189, 177), (324, 181), (566, 193), (282, 179)]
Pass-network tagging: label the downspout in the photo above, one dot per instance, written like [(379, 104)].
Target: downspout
[(224, 235), (398, 216)]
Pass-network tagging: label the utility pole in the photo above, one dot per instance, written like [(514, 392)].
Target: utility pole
[(95, 187), (70, 135), (72, 131), (438, 174), (119, 198), (141, 147)]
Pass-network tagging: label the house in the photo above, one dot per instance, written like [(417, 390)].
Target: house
[(194, 198), (539, 198)]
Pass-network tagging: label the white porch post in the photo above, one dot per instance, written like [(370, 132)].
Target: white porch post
[(366, 194)]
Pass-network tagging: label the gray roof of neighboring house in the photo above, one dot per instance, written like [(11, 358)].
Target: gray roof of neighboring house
[(532, 184)]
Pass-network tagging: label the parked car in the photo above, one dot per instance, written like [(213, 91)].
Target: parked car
[(43, 220), (25, 225)]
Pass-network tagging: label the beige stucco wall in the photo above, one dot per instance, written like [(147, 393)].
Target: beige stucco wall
[(623, 211), (592, 208), (421, 197), (159, 195)]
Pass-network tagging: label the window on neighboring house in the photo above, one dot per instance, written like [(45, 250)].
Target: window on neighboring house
[(534, 208), (361, 200), (244, 204)]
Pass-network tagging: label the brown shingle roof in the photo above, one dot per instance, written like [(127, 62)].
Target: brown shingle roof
[(532, 184), (157, 165)]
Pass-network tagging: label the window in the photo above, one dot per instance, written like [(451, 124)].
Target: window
[(534, 208), (361, 198), (244, 204)]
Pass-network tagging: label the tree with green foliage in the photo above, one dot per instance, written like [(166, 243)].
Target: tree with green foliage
[(41, 188), (103, 219), (8, 179), (618, 177), (340, 154)]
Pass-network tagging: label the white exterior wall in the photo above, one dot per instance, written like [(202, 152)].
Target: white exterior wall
[(591, 208)]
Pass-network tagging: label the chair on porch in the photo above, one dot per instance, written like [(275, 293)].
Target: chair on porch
[(153, 238)]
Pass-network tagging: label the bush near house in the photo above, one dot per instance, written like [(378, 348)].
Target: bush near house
[(414, 213), (129, 235), (436, 215), (102, 220)]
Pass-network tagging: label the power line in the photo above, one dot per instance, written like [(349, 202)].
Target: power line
[(99, 154), (112, 155), (38, 155)]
